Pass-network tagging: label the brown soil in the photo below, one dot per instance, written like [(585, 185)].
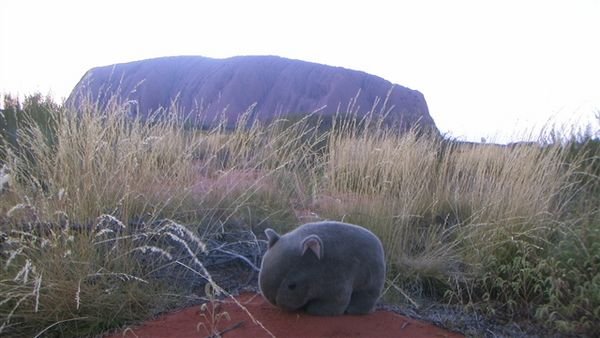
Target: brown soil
[(195, 322)]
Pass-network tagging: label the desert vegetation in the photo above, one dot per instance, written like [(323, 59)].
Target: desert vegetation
[(95, 204)]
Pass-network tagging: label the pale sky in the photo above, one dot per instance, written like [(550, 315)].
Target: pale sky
[(493, 69)]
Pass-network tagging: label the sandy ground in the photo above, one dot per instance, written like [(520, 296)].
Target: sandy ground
[(196, 322)]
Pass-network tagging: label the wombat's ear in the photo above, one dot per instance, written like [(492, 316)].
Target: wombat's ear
[(272, 236), (314, 243)]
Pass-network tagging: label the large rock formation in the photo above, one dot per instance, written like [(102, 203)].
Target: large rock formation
[(207, 90)]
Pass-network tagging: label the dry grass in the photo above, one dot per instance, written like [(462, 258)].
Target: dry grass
[(452, 216), (68, 250), (444, 208)]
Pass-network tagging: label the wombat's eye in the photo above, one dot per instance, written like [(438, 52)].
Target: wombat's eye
[(292, 286)]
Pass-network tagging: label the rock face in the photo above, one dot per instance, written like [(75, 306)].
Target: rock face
[(207, 90)]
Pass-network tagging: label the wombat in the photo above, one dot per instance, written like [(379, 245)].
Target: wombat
[(323, 268)]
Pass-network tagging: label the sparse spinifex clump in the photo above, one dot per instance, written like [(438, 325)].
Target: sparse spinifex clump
[(95, 206)]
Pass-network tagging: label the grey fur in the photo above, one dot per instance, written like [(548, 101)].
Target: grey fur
[(324, 268)]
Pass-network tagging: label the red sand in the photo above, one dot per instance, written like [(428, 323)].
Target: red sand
[(186, 323)]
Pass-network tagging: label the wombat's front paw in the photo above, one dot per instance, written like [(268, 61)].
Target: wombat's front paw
[(362, 303), (325, 308)]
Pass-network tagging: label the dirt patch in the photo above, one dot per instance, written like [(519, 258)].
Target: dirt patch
[(194, 322)]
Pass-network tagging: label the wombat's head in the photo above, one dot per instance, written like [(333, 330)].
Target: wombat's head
[(290, 270)]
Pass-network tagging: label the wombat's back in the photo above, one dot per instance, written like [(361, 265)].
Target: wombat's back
[(343, 240)]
